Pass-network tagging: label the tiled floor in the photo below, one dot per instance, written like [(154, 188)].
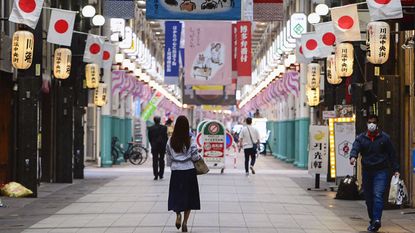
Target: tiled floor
[(127, 200)]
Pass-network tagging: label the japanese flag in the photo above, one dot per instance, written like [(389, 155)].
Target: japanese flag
[(93, 49), (346, 23), (309, 45), (26, 12), (61, 27), (384, 9), (299, 53), (327, 39), (108, 55)]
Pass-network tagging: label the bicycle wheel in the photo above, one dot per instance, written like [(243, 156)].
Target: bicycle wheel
[(135, 157)]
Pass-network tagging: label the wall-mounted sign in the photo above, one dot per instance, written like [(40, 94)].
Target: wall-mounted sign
[(298, 24)]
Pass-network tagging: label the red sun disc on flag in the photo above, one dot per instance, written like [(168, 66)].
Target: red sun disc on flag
[(383, 1), (28, 6), (329, 39), (106, 55), (61, 26), (95, 48), (346, 22), (311, 44)]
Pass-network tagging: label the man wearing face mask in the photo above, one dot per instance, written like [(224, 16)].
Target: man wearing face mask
[(378, 155)]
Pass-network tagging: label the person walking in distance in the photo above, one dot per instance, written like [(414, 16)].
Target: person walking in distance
[(378, 157), (184, 188), (157, 135), (249, 140)]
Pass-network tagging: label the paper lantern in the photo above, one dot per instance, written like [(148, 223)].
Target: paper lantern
[(378, 42), (313, 75), (92, 74), (313, 96), (344, 59), (100, 95), (62, 63), (332, 76), (22, 50)]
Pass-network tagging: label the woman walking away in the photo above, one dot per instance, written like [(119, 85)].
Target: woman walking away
[(183, 189)]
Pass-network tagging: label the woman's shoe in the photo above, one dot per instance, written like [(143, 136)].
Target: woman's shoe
[(178, 220), (184, 228)]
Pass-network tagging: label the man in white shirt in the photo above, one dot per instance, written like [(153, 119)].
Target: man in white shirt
[(248, 137)]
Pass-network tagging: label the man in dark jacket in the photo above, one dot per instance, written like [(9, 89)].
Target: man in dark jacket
[(157, 135), (378, 156)]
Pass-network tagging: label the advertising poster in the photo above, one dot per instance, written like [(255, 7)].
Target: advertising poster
[(318, 152), (208, 53), (344, 136), (172, 52), (194, 9), (214, 139)]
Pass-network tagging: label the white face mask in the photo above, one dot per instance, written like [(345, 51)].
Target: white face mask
[(371, 127)]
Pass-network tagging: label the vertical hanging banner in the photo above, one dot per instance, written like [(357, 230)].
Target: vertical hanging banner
[(151, 107), (244, 55), (124, 9), (194, 9), (268, 10), (318, 149), (26, 12), (173, 31), (61, 25), (208, 53)]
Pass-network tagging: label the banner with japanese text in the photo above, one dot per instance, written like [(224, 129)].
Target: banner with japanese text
[(244, 55), (171, 52), (318, 153), (194, 9), (208, 53)]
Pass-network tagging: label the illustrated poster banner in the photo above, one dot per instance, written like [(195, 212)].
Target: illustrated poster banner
[(344, 136), (208, 53), (193, 9), (318, 149), (172, 52)]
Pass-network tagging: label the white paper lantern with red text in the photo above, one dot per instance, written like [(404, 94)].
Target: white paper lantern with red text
[(92, 74), (378, 42), (332, 76), (22, 49), (344, 59), (101, 95), (62, 63), (313, 75)]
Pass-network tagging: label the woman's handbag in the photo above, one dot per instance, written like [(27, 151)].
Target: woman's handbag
[(201, 167)]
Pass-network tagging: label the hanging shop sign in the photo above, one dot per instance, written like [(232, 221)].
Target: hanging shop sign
[(22, 50), (92, 75), (214, 143), (193, 10), (151, 107), (313, 75), (344, 59), (208, 53), (62, 63), (318, 152), (344, 136), (244, 55), (268, 10), (377, 42), (298, 24), (332, 76), (173, 31), (101, 94)]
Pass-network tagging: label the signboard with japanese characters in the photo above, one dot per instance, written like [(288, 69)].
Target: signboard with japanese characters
[(318, 149), (193, 9), (244, 50), (344, 136), (214, 142), (171, 52)]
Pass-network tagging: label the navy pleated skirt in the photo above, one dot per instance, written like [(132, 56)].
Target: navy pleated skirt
[(183, 191)]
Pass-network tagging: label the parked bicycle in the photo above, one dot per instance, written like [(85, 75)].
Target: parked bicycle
[(135, 153)]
